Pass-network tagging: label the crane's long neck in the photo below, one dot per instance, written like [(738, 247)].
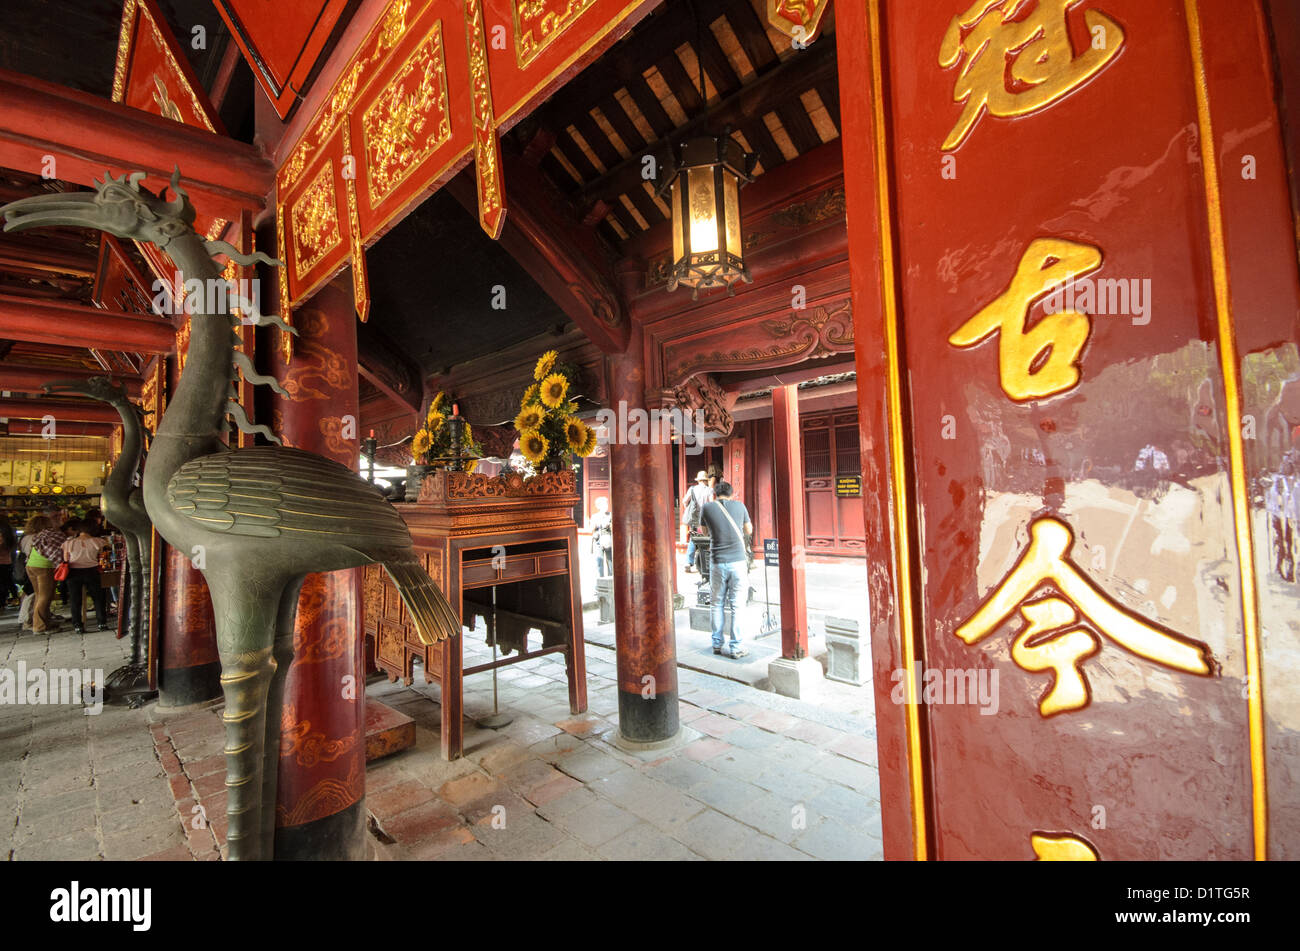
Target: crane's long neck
[(118, 483), (193, 424)]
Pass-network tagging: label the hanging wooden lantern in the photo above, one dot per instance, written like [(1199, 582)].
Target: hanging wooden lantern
[(705, 200)]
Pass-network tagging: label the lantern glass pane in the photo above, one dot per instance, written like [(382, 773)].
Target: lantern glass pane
[(678, 225), (704, 213), (729, 190)]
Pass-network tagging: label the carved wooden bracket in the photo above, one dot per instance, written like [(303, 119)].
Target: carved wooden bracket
[(701, 394)]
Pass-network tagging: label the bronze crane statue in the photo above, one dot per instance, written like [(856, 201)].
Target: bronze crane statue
[(255, 520), (123, 505)]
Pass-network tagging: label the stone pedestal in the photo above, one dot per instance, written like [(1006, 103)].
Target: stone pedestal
[(843, 651), (605, 595), (799, 679)]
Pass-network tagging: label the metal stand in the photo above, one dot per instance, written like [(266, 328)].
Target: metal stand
[(771, 624), (497, 719)]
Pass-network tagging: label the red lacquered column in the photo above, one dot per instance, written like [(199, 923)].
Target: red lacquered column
[(645, 636), (320, 809)]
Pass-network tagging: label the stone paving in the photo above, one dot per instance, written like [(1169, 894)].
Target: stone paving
[(762, 777)]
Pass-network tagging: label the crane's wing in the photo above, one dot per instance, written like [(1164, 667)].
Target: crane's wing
[(276, 492)]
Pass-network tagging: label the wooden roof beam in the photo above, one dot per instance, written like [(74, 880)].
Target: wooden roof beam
[(30, 379), (79, 325), (81, 411), (88, 135)]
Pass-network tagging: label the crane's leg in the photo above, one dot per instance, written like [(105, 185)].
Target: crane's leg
[(143, 570), (283, 654), (132, 608), (245, 610)]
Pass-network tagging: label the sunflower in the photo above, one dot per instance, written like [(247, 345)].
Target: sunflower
[(534, 446), (545, 364), (471, 465), (439, 402), (554, 389), (589, 445), (434, 422), (421, 443), (530, 395), (529, 418), (575, 433)]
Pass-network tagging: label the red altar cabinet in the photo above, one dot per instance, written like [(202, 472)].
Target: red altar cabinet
[(503, 549)]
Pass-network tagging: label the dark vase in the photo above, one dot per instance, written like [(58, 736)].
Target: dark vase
[(414, 479)]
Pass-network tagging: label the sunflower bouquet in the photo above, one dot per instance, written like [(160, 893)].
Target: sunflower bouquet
[(432, 442), (550, 435)]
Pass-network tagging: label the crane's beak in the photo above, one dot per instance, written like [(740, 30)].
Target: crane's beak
[(69, 209), (75, 387)]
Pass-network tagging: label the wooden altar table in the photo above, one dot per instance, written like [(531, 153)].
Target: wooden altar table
[(476, 533)]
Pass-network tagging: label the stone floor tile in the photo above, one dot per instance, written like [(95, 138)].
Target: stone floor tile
[(716, 836), (597, 823), (832, 840), (681, 772), (644, 843)]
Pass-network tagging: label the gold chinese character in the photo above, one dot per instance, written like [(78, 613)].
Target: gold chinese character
[(1040, 361), (1042, 645), (1053, 639), (1062, 848), (1037, 50)]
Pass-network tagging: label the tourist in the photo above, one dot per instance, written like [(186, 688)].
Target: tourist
[(81, 552), (696, 498), (1276, 501), (602, 538), (43, 546), (729, 566), (8, 545)]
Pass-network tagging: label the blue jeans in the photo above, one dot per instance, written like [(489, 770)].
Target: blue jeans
[(728, 581), (690, 547)]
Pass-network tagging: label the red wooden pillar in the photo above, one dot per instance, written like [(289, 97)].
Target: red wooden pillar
[(880, 425), (189, 669), (787, 466), (320, 806), (644, 532)]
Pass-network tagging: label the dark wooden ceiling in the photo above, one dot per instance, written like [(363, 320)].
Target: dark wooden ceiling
[(644, 94), (433, 281)]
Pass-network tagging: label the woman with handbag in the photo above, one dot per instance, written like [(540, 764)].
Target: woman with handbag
[(81, 558), (45, 553)]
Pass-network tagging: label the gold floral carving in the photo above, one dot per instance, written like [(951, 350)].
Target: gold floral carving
[(123, 50), (444, 485), (394, 25), (286, 338), (360, 283), (539, 22), (487, 160), (315, 216), (390, 31), (394, 122)]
